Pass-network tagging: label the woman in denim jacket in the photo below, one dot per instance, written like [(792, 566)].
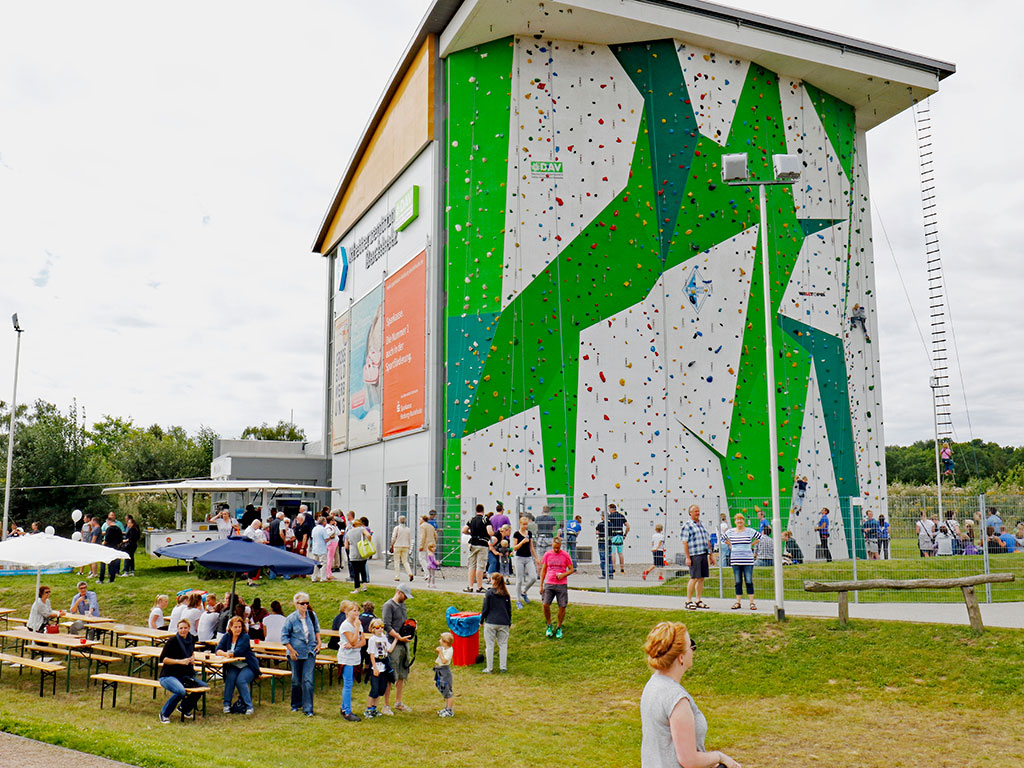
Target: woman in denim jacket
[(301, 638)]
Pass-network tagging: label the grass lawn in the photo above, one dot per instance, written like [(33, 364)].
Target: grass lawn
[(805, 692)]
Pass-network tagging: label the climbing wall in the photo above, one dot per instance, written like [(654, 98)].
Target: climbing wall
[(605, 316), (572, 106)]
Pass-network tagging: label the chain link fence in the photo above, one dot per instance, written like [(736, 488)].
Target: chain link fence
[(909, 537)]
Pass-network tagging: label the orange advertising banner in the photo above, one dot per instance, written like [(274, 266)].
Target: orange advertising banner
[(405, 339)]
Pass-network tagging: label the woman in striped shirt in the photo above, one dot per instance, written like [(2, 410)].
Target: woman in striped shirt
[(741, 557)]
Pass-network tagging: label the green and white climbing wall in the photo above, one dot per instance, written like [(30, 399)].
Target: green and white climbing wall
[(604, 325)]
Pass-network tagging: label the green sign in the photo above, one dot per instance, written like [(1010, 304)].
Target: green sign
[(543, 166), (407, 208)]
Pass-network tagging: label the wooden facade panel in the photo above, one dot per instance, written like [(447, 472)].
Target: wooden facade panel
[(405, 128)]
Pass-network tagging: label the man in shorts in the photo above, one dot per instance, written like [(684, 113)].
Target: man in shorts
[(394, 615), (476, 527), (870, 529), (555, 570), (697, 546)]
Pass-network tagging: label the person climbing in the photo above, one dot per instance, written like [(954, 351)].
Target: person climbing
[(946, 454), (858, 315)]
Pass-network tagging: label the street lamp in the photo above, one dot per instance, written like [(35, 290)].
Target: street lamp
[(10, 431), (734, 173)]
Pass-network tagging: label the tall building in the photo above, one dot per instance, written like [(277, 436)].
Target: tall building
[(541, 291)]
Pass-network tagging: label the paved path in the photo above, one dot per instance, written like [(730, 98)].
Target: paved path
[(1009, 615), (27, 753)]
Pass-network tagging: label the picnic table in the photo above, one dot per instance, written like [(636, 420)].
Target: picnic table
[(130, 632), (69, 643), (4, 613)]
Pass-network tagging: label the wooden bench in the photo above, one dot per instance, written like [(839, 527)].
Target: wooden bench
[(274, 674), (68, 653), (46, 668), (112, 681), (965, 583)]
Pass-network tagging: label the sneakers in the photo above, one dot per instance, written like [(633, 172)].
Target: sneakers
[(386, 710), (550, 631), (558, 634), (227, 709), (370, 712), (446, 713), (352, 718), (519, 604), (308, 714), (403, 707), (164, 719), (525, 598), (250, 711), (486, 671), (661, 578)]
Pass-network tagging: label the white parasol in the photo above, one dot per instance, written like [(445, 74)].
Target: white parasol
[(44, 550)]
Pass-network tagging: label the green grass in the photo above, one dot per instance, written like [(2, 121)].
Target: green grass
[(798, 693)]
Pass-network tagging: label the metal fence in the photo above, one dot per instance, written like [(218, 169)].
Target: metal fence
[(955, 542)]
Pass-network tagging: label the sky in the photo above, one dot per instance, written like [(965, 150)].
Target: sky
[(163, 175)]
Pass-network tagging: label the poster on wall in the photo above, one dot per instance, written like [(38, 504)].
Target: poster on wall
[(405, 347), (366, 370), (339, 399)]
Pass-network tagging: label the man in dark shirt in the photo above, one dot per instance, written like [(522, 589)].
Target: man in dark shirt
[(618, 529), (394, 615), (476, 527), (113, 537)]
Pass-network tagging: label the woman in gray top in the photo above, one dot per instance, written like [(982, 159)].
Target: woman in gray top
[(673, 727)]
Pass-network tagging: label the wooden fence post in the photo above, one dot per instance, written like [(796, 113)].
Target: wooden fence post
[(973, 609), (844, 608)]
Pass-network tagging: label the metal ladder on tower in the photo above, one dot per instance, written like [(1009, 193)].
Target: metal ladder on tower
[(936, 290)]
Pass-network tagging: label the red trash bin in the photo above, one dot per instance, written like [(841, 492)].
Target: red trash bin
[(466, 649)]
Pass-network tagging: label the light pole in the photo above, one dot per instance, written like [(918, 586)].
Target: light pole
[(734, 173), (10, 431)]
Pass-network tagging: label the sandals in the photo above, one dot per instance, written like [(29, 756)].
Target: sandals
[(702, 604), (736, 607), (753, 607), (690, 605)]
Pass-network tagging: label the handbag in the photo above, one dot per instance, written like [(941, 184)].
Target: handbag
[(366, 549), (52, 629)]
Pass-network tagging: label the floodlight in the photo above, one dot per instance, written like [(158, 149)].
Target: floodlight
[(734, 168), (787, 167)]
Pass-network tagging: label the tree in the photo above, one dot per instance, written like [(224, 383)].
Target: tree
[(283, 430)]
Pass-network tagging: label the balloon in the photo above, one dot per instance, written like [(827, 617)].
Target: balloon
[(49, 530), (76, 515), (76, 536)]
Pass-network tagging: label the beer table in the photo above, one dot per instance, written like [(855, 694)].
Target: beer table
[(68, 643)]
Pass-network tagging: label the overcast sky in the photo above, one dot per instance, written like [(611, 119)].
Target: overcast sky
[(164, 170)]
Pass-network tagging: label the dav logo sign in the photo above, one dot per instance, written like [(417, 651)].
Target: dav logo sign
[(546, 167)]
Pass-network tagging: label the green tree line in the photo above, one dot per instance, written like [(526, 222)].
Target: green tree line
[(977, 464), (61, 463)]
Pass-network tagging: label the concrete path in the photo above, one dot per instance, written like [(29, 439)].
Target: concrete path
[(589, 591), (27, 753)]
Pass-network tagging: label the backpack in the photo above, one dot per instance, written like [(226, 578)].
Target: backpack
[(408, 629)]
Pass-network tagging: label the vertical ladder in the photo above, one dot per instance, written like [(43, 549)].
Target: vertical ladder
[(936, 283)]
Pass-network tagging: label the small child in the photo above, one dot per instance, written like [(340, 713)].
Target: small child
[(657, 553), (505, 552), (432, 565), (443, 673), (383, 675)]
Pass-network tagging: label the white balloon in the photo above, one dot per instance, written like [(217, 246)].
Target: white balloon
[(50, 530), (76, 515), (76, 536)]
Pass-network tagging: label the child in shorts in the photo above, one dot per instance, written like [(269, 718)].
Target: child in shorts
[(657, 553), (379, 650), (443, 673)]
